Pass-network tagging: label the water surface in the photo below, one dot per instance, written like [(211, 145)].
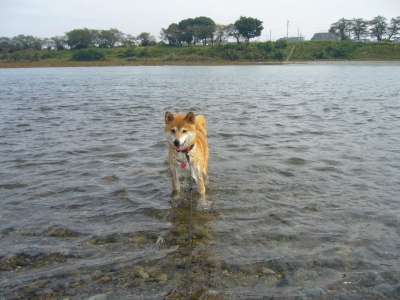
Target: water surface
[(302, 200)]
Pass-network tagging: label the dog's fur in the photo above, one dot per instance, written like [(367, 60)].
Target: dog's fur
[(187, 134)]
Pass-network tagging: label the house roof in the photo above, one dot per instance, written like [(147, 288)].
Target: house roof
[(325, 36)]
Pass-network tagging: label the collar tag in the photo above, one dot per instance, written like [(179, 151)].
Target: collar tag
[(183, 165)]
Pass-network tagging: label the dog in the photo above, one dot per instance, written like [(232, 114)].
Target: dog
[(186, 136)]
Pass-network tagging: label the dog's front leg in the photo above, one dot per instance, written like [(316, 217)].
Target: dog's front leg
[(200, 184), (175, 180)]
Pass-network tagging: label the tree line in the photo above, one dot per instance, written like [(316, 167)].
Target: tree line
[(205, 30), (74, 39), (189, 31), (359, 28)]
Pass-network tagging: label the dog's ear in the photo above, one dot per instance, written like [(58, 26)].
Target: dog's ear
[(190, 117), (169, 117)]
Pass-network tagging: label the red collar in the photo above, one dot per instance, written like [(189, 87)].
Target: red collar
[(183, 163), (186, 150)]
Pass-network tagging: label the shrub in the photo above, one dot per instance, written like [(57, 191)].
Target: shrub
[(129, 52), (25, 55), (91, 54), (279, 55), (50, 54), (16, 56), (35, 57), (281, 44), (143, 52), (230, 54), (268, 46), (321, 54), (342, 49)]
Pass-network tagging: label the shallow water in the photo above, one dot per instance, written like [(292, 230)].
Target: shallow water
[(302, 200)]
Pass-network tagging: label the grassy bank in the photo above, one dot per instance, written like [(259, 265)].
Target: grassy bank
[(252, 53), (346, 50)]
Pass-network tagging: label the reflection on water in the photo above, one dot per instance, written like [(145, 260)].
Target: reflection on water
[(302, 200)]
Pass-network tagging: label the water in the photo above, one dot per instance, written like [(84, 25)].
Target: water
[(302, 200)]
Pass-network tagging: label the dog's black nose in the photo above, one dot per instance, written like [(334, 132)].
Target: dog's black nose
[(176, 143)]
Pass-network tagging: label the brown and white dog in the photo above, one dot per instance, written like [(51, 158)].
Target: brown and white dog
[(186, 135)]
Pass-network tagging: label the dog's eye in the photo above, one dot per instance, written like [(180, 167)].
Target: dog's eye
[(173, 130), (184, 130)]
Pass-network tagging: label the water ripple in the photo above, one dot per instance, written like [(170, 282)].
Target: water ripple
[(302, 200)]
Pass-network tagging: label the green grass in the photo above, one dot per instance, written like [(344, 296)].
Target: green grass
[(233, 53), (346, 50)]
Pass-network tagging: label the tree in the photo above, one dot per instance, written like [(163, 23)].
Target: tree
[(22, 42), (116, 36), (233, 32), (249, 27), (5, 44), (394, 28), (108, 38), (221, 33), (186, 31), (378, 27), (19, 42), (203, 28), (60, 42), (48, 43), (359, 28), (37, 43), (95, 38), (171, 34), (189, 31), (342, 28), (128, 40), (79, 38), (146, 39)]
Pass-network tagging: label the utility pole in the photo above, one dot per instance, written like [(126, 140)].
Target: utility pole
[(287, 30)]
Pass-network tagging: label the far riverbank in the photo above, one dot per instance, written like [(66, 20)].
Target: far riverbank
[(257, 53), (219, 63)]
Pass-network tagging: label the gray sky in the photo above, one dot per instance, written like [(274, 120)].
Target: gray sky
[(48, 18)]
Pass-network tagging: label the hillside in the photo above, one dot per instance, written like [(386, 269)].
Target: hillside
[(251, 53)]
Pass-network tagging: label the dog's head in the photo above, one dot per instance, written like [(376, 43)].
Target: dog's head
[(180, 129)]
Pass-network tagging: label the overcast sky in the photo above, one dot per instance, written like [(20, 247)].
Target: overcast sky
[(48, 18)]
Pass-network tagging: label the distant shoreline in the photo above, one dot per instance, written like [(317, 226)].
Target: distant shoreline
[(16, 65), (349, 62), (275, 53)]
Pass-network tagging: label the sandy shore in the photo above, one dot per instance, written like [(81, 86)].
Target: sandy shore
[(347, 62), (193, 63)]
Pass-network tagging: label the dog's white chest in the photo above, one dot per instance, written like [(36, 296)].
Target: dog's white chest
[(181, 163), (181, 166)]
